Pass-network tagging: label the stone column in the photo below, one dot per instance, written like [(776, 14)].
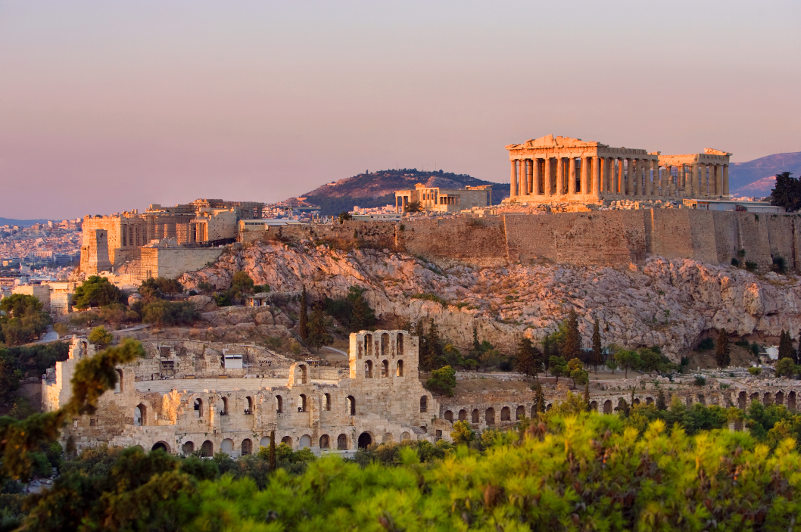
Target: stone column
[(584, 175), (696, 180), (596, 177), (571, 176), (726, 180), (521, 177), (548, 181), (718, 180), (535, 176), (621, 182), (560, 176), (529, 176), (513, 181), (649, 180)]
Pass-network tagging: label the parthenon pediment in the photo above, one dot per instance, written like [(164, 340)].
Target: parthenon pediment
[(550, 141), (713, 151)]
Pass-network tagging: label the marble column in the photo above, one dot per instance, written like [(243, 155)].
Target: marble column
[(548, 163), (571, 176), (596, 177), (696, 180), (513, 180), (560, 176), (621, 182), (726, 180), (718, 180), (536, 176), (649, 179), (584, 175), (521, 177), (529, 176)]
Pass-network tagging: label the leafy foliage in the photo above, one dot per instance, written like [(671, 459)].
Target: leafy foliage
[(159, 288), (786, 192), (100, 337), (352, 311), (96, 291), (22, 319), (169, 313), (442, 381)]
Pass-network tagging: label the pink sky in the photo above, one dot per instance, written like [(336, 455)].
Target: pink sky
[(107, 106)]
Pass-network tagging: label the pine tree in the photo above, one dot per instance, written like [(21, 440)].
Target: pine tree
[(318, 328), (572, 345), (272, 451), (587, 395), (597, 354), (786, 346), (432, 348), (529, 361), (539, 399), (476, 350), (722, 355), (303, 321), (661, 402)]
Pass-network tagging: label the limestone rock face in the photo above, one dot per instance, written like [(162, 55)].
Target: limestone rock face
[(667, 303)]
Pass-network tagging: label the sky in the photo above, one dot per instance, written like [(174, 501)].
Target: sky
[(107, 106)]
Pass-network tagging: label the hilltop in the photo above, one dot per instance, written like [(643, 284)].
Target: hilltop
[(757, 177), (374, 189)]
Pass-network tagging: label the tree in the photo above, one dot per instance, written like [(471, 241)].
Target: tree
[(169, 313), (159, 287), (571, 346), (627, 360), (539, 398), (361, 314), (661, 402), (786, 345), (529, 358), (96, 291), (318, 328), (241, 284), (558, 367), (786, 192), (577, 372), (303, 320), (442, 381), (413, 206), (431, 349), (22, 319), (344, 215), (597, 353), (785, 367), (100, 337), (722, 350), (462, 433)]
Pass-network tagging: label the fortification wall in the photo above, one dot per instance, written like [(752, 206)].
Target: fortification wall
[(462, 238), (172, 262)]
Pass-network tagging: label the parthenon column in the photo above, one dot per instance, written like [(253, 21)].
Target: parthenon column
[(536, 176), (571, 176), (696, 180), (521, 177), (726, 180), (529, 176), (513, 180), (548, 163), (596, 177), (560, 176), (621, 183), (649, 180), (718, 180), (584, 177)]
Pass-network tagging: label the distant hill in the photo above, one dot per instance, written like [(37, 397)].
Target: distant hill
[(21, 223), (756, 178), (375, 189)]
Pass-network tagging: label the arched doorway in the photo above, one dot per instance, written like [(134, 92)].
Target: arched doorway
[(188, 448), (342, 442), (365, 440), (304, 442), (324, 442), (247, 446), (207, 449), (161, 445), (227, 446)]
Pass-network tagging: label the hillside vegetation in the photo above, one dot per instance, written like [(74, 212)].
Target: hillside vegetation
[(375, 189)]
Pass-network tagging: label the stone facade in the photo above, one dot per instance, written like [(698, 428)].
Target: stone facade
[(159, 403), (436, 199), (110, 241), (564, 169)]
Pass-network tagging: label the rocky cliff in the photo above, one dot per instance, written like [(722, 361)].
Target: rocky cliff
[(669, 303)]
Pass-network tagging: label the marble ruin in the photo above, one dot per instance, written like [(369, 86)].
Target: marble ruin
[(436, 199), (563, 169)]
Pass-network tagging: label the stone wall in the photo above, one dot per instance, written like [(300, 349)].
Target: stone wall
[(172, 262)]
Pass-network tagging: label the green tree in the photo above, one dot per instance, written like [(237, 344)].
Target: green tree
[(96, 291), (722, 349), (361, 314), (412, 206), (158, 288), (786, 345), (577, 373), (557, 365), (786, 192), (539, 398), (431, 350), (462, 433), (169, 313), (442, 381), (785, 367), (303, 320), (100, 337), (597, 353), (571, 346), (22, 319), (318, 328), (628, 360), (529, 358)]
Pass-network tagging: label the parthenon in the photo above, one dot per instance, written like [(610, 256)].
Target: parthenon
[(564, 169)]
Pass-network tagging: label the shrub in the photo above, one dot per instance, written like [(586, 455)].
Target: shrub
[(705, 345), (699, 380), (96, 291), (442, 381), (751, 266), (754, 370), (168, 313)]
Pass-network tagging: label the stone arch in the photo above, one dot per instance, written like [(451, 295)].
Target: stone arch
[(791, 401), (636, 401), (207, 449), (489, 416), (279, 404), (227, 446), (198, 407), (742, 400), (140, 415), (399, 342), (118, 386), (384, 368), (423, 404), (621, 404), (264, 442), (304, 442), (247, 446), (248, 405), (304, 373), (593, 406), (399, 369), (520, 412), (405, 436), (384, 344), (302, 403), (533, 411), (701, 399), (548, 406), (368, 345), (387, 438), (342, 442), (365, 440), (327, 402), (161, 445), (188, 448), (688, 400), (448, 416), (767, 399), (325, 442), (351, 405), (368, 369), (287, 440), (224, 411), (476, 416), (649, 400), (754, 397), (506, 414), (779, 398), (462, 415), (608, 406)]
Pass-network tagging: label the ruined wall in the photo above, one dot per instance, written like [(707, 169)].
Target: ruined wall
[(461, 238), (172, 262)]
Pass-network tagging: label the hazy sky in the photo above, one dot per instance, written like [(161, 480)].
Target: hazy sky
[(111, 105)]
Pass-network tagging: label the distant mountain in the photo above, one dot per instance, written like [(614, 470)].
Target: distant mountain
[(21, 223), (374, 189), (756, 178)]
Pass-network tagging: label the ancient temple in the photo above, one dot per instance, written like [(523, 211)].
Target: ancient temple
[(563, 169)]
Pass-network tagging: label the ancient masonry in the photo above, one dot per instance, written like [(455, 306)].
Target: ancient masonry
[(187, 397), (436, 199), (564, 169), (110, 241)]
